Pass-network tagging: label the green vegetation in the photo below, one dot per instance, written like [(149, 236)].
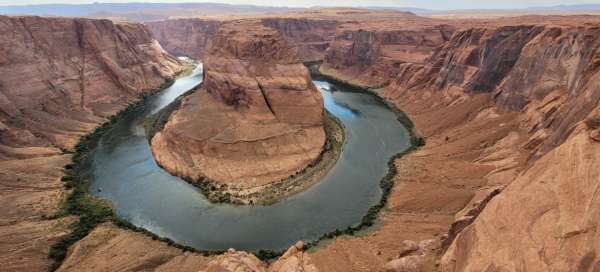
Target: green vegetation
[(387, 182), (91, 211), (156, 122)]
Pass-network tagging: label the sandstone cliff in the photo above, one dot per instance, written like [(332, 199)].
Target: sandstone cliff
[(309, 37), (59, 79), (543, 221), (370, 54), (506, 180), (256, 120), (184, 37), (190, 37), (544, 76)]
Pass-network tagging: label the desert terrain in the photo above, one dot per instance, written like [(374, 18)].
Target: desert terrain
[(508, 107)]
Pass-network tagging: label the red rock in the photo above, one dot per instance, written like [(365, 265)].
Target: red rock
[(256, 120), (184, 37), (59, 79)]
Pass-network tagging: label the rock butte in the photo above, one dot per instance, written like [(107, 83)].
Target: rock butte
[(256, 120), (506, 182)]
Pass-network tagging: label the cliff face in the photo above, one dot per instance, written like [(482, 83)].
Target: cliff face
[(190, 37), (256, 120), (309, 37), (371, 55), (551, 77), (548, 74), (59, 79), (184, 37)]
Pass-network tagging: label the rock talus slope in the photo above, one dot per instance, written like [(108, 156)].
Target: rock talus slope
[(59, 79), (256, 120)]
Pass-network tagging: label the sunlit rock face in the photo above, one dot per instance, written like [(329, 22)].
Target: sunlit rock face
[(59, 79), (546, 76), (257, 118)]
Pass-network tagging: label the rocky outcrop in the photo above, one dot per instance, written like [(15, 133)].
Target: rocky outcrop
[(234, 261), (184, 37), (59, 79), (413, 256), (293, 260), (544, 221), (258, 118), (110, 248), (309, 37)]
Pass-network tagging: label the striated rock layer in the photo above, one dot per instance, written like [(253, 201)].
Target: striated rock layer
[(184, 37), (59, 79), (507, 179), (256, 120), (309, 38), (545, 219), (370, 53), (506, 182)]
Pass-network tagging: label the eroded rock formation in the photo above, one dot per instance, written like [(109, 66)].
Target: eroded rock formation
[(371, 54), (184, 37), (59, 79), (547, 74), (308, 37), (257, 119)]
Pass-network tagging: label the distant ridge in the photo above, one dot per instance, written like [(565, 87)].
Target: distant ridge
[(136, 11), (578, 7)]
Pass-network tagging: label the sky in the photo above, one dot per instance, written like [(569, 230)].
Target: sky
[(429, 4)]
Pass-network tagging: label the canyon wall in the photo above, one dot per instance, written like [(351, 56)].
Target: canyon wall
[(184, 37), (190, 37), (257, 119), (544, 220), (309, 37), (59, 79), (371, 54), (510, 110), (548, 75)]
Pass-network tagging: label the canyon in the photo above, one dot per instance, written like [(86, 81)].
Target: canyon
[(509, 109)]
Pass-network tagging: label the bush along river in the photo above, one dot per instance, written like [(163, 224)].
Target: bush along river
[(121, 170)]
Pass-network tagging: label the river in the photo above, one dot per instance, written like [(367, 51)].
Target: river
[(146, 195)]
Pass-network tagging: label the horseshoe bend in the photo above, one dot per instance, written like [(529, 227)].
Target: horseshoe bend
[(256, 121), (214, 137)]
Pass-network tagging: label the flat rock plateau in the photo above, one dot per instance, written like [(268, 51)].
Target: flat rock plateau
[(509, 107)]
